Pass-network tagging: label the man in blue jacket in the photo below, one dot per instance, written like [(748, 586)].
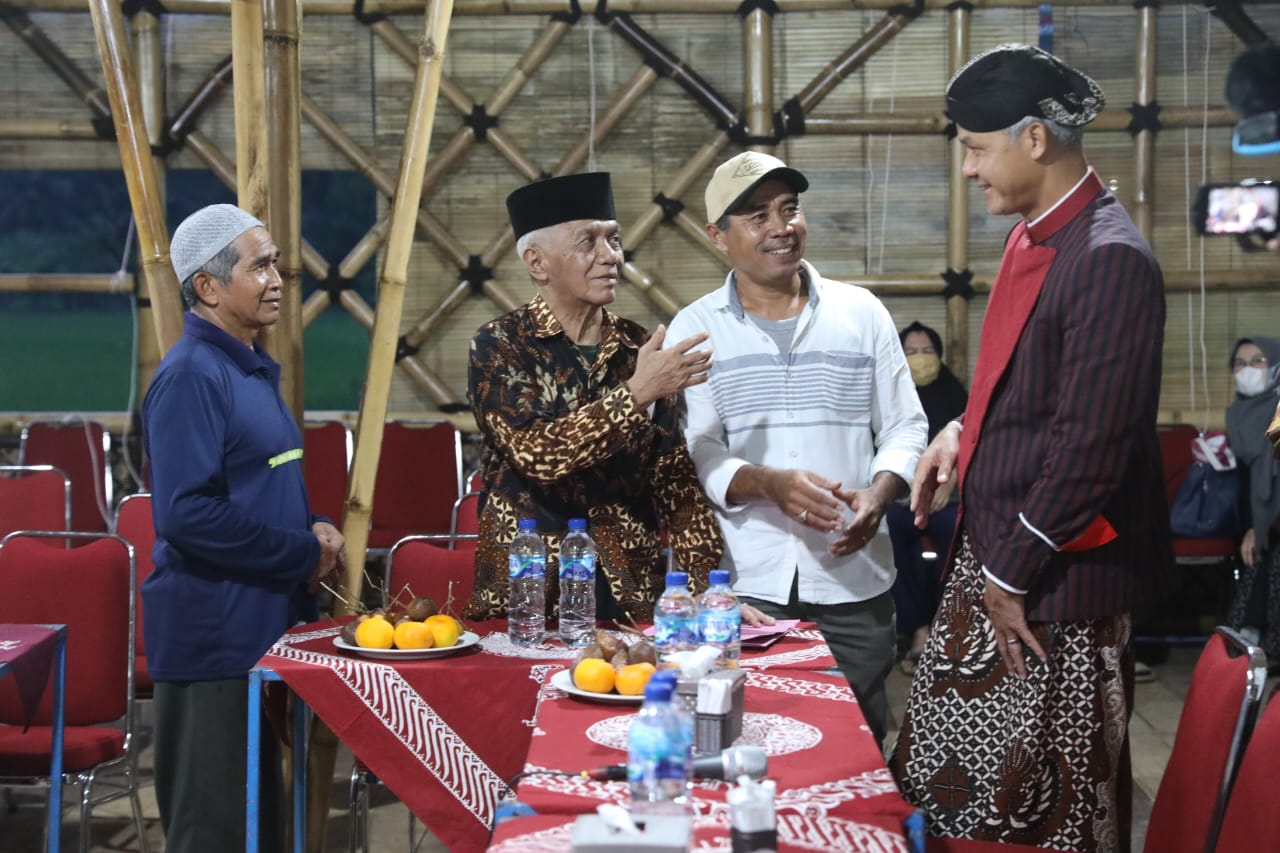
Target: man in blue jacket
[(238, 552)]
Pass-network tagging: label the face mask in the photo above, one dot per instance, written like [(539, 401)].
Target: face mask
[(924, 367), (1250, 381)]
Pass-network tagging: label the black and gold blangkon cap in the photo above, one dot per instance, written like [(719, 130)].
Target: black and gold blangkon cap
[(1001, 86)]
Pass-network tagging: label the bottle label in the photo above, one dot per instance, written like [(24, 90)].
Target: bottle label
[(721, 626), (580, 568), (526, 567), (674, 631)]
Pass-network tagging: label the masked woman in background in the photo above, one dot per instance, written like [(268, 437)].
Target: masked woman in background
[(1255, 608), (916, 590)]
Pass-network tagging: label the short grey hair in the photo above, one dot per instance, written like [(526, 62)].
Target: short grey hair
[(219, 266), (1066, 135), (535, 237), (723, 222)]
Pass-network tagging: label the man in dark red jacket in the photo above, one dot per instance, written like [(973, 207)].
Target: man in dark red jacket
[(1015, 729)]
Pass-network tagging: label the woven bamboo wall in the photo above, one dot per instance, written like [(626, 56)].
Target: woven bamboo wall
[(877, 205)]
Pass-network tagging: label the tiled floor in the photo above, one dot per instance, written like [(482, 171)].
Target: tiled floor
[(1157, 707)]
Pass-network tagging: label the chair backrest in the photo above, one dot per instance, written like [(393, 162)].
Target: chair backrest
[(422, 565), (474, 482), (326, 460), (419, 478), (80, 449), (1217, 717), (89, 588), (34, 497), (1252, 821), (466, 522), (1175, 454), (135, 524)]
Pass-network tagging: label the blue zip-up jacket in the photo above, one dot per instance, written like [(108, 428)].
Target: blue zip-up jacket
[(234, 547)]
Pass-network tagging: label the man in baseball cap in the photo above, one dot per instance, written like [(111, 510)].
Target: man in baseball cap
[(808, 428), (238, 550), (1057, 459)]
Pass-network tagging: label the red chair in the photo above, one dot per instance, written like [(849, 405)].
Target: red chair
[(326, 459), (80, 449), (419, 478), (135, 524), (91, 589), (34, 497), (1217, 717), (419, 565), (1252, 821), (474, 482)]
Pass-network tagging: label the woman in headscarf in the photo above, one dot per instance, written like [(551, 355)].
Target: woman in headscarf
[(916, 589), (1256, 605)]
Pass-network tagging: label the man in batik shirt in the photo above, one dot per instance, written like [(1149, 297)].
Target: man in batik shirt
[(578, 410)]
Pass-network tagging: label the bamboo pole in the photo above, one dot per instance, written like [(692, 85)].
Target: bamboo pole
[(281, 94), (139, 171), (468, 8), (59, 283), (151, 80), (957, 325), (382, 349), (247, 60), (757, 75), (1144, 143), (876, 37), (48, 129)]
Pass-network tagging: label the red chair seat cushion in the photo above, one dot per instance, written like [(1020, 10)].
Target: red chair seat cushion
[(28, 754), (1221, 548)]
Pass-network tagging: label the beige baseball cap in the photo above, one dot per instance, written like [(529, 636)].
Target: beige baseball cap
[(735, 178)]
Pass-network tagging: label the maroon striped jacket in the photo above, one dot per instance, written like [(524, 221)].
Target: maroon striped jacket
[(1061, 425)]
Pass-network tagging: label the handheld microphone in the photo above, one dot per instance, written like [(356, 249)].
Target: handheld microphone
[(727, 764)]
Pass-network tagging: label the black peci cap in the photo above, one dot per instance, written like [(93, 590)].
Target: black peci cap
[(563, 199), (999, 87)]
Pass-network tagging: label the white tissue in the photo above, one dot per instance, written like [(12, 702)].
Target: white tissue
[(697, 663), (617, 819), (751, 805)]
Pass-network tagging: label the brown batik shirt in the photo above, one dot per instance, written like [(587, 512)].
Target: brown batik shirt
[(563, 438)]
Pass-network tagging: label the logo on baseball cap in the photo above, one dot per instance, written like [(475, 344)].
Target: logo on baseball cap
[(735, 179)]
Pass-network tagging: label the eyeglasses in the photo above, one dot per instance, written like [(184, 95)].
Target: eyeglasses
[(1257, 361)]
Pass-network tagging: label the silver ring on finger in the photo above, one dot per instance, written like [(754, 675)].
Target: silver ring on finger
[(803, 516), (1013, 641)]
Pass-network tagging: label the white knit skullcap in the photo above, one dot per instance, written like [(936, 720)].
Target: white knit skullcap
[(204, 234)]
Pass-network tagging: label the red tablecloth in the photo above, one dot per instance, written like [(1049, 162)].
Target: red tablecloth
[(835, 791), (446, 734), (26, 651)]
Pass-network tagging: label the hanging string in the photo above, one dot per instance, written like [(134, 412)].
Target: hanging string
[(888, 157), (1204, 166), (133, 357), (1186, 182), (591, 96)]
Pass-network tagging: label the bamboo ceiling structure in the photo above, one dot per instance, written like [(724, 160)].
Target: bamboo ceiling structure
[(850, 92)]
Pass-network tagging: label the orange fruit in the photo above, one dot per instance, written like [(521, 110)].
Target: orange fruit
[(444, 628), (413, 635), (593, 675), (375, 633), (632, 678)]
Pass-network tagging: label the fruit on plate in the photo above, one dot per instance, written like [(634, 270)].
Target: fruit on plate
[(642, 651), (631, 679), (593, 675), (444, 629), (421, 609), (414, 635), (375, 633), (610, 644)]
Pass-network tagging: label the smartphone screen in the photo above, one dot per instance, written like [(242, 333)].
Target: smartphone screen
[(1242, 209)]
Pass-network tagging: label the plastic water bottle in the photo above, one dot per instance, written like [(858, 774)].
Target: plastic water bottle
[(527, 599), (675, 619), (577, 585), (681, 712), (659, 762), (720, 619)]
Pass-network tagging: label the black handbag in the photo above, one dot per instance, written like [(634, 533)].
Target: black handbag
[(1207, 504)]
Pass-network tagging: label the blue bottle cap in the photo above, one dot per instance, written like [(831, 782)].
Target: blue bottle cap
[(578, 525), (659, 690), (719, 576), (677, 579), (528, 524), (667, 675)]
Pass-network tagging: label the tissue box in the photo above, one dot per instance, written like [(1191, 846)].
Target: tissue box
[(662, 834), (713, 732)]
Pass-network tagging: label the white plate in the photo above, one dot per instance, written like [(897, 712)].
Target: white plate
[(563, 680), (466, 640)]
